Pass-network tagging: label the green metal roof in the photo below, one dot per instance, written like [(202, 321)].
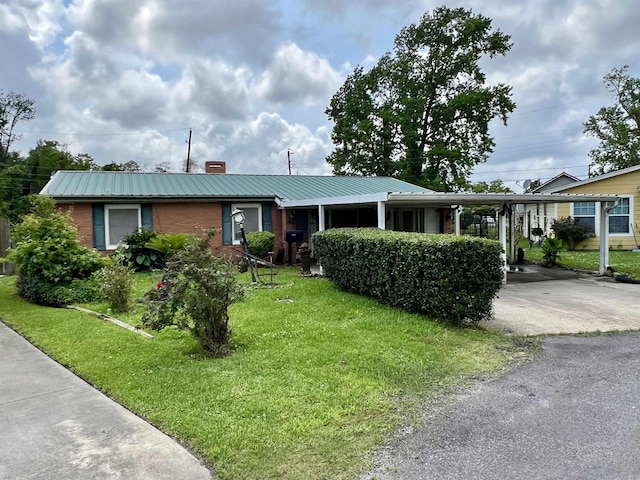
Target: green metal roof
[(88, 185)]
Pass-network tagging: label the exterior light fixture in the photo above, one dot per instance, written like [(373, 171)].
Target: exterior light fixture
[(238, 216)]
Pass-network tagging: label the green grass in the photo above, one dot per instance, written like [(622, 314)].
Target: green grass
[(318, 380), (589, 260)]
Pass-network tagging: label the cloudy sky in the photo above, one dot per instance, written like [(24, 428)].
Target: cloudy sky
[(126, 79)]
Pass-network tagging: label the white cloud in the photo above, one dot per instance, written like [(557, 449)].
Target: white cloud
[(296, 76), (214, 87)]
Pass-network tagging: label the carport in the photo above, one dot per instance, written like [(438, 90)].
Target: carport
[(504, 204)]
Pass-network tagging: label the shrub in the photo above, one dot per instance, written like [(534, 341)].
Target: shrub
[(571, 232), (48, 255), (551, 251), (442, 276), (260, 243), (116, 286), (139, 256), (194, 294)]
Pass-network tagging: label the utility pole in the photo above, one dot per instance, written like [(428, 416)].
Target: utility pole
[(289, 160), (188, 167)]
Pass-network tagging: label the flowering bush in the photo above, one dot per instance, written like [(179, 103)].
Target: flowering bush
[(195, 293)]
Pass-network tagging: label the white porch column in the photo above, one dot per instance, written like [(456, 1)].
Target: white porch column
[(321, 229), (382, 222), (502, 238), (458, 213), (321, 218)]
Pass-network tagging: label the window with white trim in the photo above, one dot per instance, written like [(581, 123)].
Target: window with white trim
[(252, 220), (619, 217), (120, 221), (585, 214)]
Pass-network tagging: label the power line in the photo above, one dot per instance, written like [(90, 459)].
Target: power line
[(100, 134)]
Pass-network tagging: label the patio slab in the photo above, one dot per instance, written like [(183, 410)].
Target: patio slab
[(542, 301)]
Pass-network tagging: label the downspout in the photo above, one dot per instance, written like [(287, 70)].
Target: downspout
[(604, 234)]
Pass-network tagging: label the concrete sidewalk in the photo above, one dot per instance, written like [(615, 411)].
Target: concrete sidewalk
[(53, 425), (543, 301)]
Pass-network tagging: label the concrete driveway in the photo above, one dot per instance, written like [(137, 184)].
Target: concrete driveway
[(542, 301)]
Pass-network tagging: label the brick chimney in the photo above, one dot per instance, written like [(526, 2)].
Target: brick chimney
[(215, 167)]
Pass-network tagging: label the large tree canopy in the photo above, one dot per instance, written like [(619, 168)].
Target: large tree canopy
[(617, 127), (14, 108), (422, 113)]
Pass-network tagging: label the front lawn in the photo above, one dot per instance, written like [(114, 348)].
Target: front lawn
[(623, 261), (318, 380)]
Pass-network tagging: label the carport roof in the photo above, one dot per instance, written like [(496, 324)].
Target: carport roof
[(441, 198)]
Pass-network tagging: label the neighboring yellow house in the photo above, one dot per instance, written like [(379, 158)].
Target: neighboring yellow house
[(623, 219), (542, 215)]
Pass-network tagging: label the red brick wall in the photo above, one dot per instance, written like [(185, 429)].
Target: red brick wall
[(175, 218), (82, 218)]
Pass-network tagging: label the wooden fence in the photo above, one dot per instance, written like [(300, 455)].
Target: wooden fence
[(5, 267)]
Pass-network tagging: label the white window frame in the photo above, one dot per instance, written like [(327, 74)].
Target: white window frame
[(597, 218), (596, 215), (235, 228), (629, 217), (124, 206)]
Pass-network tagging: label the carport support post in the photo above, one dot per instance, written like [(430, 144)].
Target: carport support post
[(502, 238), (458, 211), (604, 236), (512, 236)]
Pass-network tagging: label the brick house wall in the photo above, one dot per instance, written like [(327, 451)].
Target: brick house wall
[(176, 218)]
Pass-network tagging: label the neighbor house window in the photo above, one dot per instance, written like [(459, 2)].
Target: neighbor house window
[(252, 219), (120, 221), (585, 214), (619, 217)]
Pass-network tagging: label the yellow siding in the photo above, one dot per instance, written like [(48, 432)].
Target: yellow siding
[(626, 184)]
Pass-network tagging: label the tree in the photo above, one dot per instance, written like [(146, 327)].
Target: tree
[(21, 177), (494, 186), (422, 113), (130, 166), (617, 127), (48, 157), (14, 108)]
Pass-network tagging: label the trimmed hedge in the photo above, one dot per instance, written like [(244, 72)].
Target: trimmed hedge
[(442, 276), (260, 243)]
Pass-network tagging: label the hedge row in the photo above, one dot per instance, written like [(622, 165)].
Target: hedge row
[(444, 277)]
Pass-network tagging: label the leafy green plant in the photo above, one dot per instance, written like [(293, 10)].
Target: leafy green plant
[(260, 243), (551, 251), (48, 255), (169, 243), (194, 294), (139, 256), (571, 232)]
